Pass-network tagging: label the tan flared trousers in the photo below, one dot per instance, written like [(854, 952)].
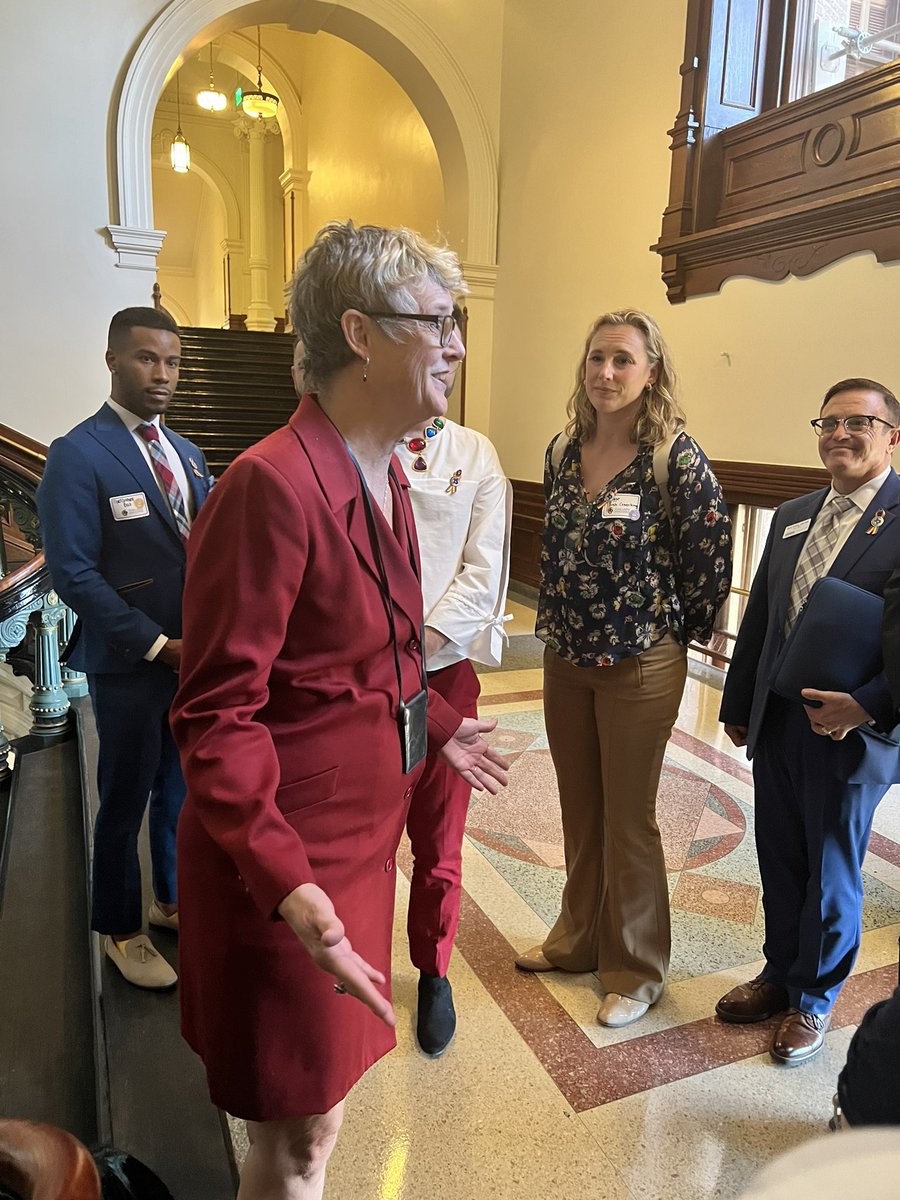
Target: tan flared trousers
[(608, 728)]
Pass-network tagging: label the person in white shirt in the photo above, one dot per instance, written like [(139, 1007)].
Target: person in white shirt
[(462, 503)]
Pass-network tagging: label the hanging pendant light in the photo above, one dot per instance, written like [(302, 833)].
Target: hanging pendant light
[(180, 153), (211, 98), (259, 103)]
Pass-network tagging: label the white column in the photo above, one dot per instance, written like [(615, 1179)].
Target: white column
[(482, 281), (295, 189), (260, 314)]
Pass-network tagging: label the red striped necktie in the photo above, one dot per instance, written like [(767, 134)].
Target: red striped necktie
[(167, 479)]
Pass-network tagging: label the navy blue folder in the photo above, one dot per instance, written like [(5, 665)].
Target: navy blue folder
[(835, 645)]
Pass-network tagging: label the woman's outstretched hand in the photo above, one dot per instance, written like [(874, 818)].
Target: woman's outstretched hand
[(311, 915), (470, 756)]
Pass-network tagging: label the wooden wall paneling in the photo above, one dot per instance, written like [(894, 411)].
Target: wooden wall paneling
[(527, 532)]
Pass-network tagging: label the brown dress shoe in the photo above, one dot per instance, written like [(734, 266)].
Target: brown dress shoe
[(754, 1001), (800, 1037)]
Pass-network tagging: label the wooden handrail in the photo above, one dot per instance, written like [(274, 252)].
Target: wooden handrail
[(23, 452)]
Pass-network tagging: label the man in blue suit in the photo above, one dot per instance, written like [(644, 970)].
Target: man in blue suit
[(116, 503), (818, 771)]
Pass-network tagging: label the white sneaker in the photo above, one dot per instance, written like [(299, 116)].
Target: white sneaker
[(617, 1010), (141, 963), (156, 916)]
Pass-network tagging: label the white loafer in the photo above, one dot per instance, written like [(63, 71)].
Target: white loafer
[(141, 963), (617, 1010), (163, 920)]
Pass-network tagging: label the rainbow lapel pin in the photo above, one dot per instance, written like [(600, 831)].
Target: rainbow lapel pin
[(877, 522)]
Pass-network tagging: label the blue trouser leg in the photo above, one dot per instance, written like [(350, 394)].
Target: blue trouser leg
[(812, 829), (137, 762), (166, 798)]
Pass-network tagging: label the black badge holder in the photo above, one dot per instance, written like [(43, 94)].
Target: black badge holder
[(412, 721)]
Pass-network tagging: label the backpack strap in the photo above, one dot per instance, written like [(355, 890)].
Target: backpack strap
[(556, 454), (661, 472)]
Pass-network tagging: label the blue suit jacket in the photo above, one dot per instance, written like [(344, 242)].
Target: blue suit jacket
[(864, 560), (123, 579)]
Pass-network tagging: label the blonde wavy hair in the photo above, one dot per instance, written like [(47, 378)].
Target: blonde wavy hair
[(660, 415)]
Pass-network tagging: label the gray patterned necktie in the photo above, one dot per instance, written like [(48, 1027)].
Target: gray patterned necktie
[(814, 555)]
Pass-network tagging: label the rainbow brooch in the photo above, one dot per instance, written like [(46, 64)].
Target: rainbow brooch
[(877, 522), (415, 445)]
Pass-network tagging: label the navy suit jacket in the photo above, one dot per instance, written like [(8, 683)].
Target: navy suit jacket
[(864, 560), (123, 578)]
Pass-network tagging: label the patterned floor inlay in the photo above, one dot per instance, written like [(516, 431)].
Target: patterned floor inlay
[(534, 1098)]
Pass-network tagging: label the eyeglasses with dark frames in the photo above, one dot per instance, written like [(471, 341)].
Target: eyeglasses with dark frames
[(444, 322), (855, 424)]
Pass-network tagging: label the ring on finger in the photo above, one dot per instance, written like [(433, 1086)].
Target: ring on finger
[(340, 989)]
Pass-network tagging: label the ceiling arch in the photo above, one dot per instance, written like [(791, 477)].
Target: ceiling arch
[(384, 29)]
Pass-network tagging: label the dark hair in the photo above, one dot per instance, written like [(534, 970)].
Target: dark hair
[(138, 318), (891, 403)]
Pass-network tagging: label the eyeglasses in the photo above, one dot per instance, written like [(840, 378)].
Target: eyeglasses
[(445, 323), (857, 424)]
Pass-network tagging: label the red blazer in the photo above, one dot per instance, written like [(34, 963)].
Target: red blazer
[(286, 723)]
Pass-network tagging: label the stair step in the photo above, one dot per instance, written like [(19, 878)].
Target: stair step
[(234, 388)]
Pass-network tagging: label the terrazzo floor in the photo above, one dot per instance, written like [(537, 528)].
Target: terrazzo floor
[(534, 1099)]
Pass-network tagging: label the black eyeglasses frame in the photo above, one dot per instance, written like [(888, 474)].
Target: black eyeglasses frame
[(817, 422), (439, 320)]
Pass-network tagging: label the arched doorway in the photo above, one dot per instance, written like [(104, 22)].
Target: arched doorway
[(410, 51)]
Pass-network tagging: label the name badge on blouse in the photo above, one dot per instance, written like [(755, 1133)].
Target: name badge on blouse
[(128, 508), (798, 527), (624, 506)]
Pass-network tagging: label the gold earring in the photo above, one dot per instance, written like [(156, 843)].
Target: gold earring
[(366, 372)]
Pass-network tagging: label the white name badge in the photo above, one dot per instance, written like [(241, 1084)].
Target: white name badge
[(129, 508), (799, 527), (624, 506)]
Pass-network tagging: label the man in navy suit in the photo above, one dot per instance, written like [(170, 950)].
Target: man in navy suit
[(116, 503), (819, 770)]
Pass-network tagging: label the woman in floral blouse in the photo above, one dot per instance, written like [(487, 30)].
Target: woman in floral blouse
[(629, 578)]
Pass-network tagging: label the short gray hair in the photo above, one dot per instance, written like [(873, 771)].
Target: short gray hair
[(369, 268)]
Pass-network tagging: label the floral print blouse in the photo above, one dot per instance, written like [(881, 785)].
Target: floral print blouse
[(616, 574)]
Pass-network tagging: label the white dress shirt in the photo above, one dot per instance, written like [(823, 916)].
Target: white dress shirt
[(862, 498), (131, 422), (463, 542)]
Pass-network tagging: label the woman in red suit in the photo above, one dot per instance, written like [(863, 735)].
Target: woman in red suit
[(302, 630)]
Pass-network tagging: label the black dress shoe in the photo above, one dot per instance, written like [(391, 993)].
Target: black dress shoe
[(436, 1021)]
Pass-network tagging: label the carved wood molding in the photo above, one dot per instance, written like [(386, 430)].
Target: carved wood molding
[(763, 484), (765, 189)]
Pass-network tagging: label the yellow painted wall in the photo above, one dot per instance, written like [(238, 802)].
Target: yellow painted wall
[(588, 92), (577, 96), (370, 154)]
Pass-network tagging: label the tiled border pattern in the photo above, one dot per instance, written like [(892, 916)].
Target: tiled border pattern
[(589, 1076)]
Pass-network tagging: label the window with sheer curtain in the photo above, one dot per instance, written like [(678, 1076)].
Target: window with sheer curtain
[(846, 38)]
